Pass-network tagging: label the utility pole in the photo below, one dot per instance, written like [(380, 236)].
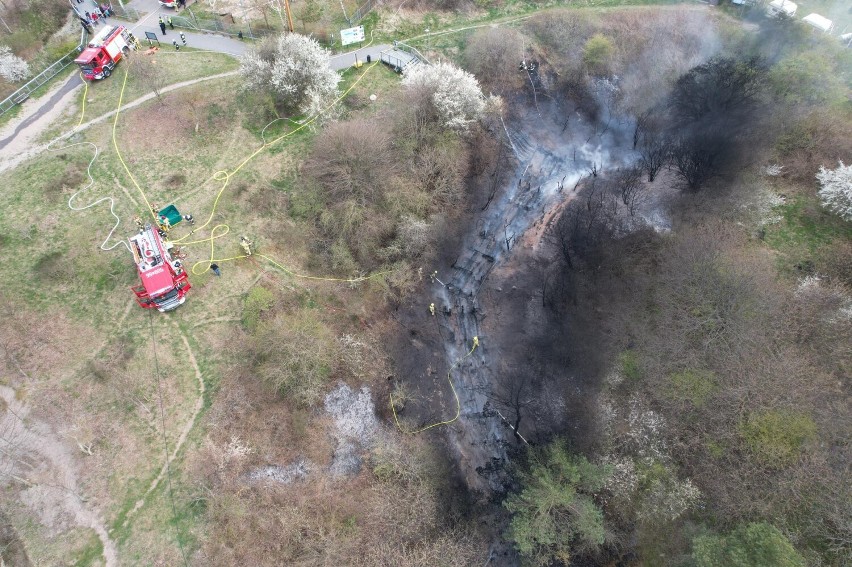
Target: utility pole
[(289, 14)]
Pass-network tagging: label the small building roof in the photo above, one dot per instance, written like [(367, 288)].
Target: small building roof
[(819, 22), (785, 6)]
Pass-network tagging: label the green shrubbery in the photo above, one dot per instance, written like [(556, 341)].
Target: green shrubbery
[(257, 301), (692, 385), (295, 354), (752, 545), (556, 512), (777, 437)]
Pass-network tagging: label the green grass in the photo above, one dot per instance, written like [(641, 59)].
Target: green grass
[(257, 301), (55, 251), (805, 232), (692, 385), (776, 438), (102, 96), (630, 365), (91, 554)]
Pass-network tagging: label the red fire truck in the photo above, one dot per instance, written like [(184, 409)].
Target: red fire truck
[(164, 280), (104, 51)]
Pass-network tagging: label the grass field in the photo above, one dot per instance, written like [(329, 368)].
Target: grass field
[(101, 383)]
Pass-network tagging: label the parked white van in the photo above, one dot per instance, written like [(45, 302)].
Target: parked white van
[(821, 23), (784, 7)]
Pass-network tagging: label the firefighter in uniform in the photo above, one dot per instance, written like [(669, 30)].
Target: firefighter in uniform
[(162, 26), (171, 25), (246, 244)]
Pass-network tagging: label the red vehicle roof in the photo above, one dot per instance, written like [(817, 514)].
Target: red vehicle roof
[(87, 55), (157, 280)]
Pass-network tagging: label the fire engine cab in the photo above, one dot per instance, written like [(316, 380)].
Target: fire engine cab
[(104, 51), (164, 280)]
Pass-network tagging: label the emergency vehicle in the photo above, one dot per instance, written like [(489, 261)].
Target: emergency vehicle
[(164, 280), (104, 51), (168, 3)]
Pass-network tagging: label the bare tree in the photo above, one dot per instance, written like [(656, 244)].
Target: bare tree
[(713, 108), (353, 160), (628, 183), (642, 123), (699, 157), (262, 6), (583, 228), (493, 56), (722, 87), (654, 152), (148, 73), (513, 395)]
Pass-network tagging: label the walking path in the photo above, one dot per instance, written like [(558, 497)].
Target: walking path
[(42, 459), (12, 154)]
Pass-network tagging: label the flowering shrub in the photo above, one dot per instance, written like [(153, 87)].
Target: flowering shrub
[(836, 191), (296, 69), (454, 93)]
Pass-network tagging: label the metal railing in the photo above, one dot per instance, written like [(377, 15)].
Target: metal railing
[(51, 71), (126, 13), (218, 26), (401, 64), (362, 11), (412, 50)]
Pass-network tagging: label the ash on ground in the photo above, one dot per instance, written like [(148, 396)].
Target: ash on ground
[(356, 429), (298, 470), (354, 416)]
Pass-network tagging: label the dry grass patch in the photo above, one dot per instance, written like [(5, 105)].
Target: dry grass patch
[(405, 519)]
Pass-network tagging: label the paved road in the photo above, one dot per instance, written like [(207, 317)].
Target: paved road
[(70, 84), (152, 11), (344, 60)]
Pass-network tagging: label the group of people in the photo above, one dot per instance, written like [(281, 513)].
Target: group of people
[(98, 14), (163, 23)]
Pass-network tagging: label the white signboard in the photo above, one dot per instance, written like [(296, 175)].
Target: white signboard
[(352, 35)]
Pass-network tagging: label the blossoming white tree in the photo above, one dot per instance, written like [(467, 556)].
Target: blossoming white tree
[(296, 69), (454, 93), (836, 191), (12, 67)]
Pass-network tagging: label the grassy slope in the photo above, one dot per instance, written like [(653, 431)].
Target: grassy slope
[(172, 147)]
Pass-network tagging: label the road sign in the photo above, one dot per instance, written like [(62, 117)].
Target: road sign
[(352, 35)]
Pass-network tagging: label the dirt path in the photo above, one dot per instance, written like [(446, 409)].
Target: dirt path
[(17, 150), (34, 109), (199, 404), (41, 459)]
